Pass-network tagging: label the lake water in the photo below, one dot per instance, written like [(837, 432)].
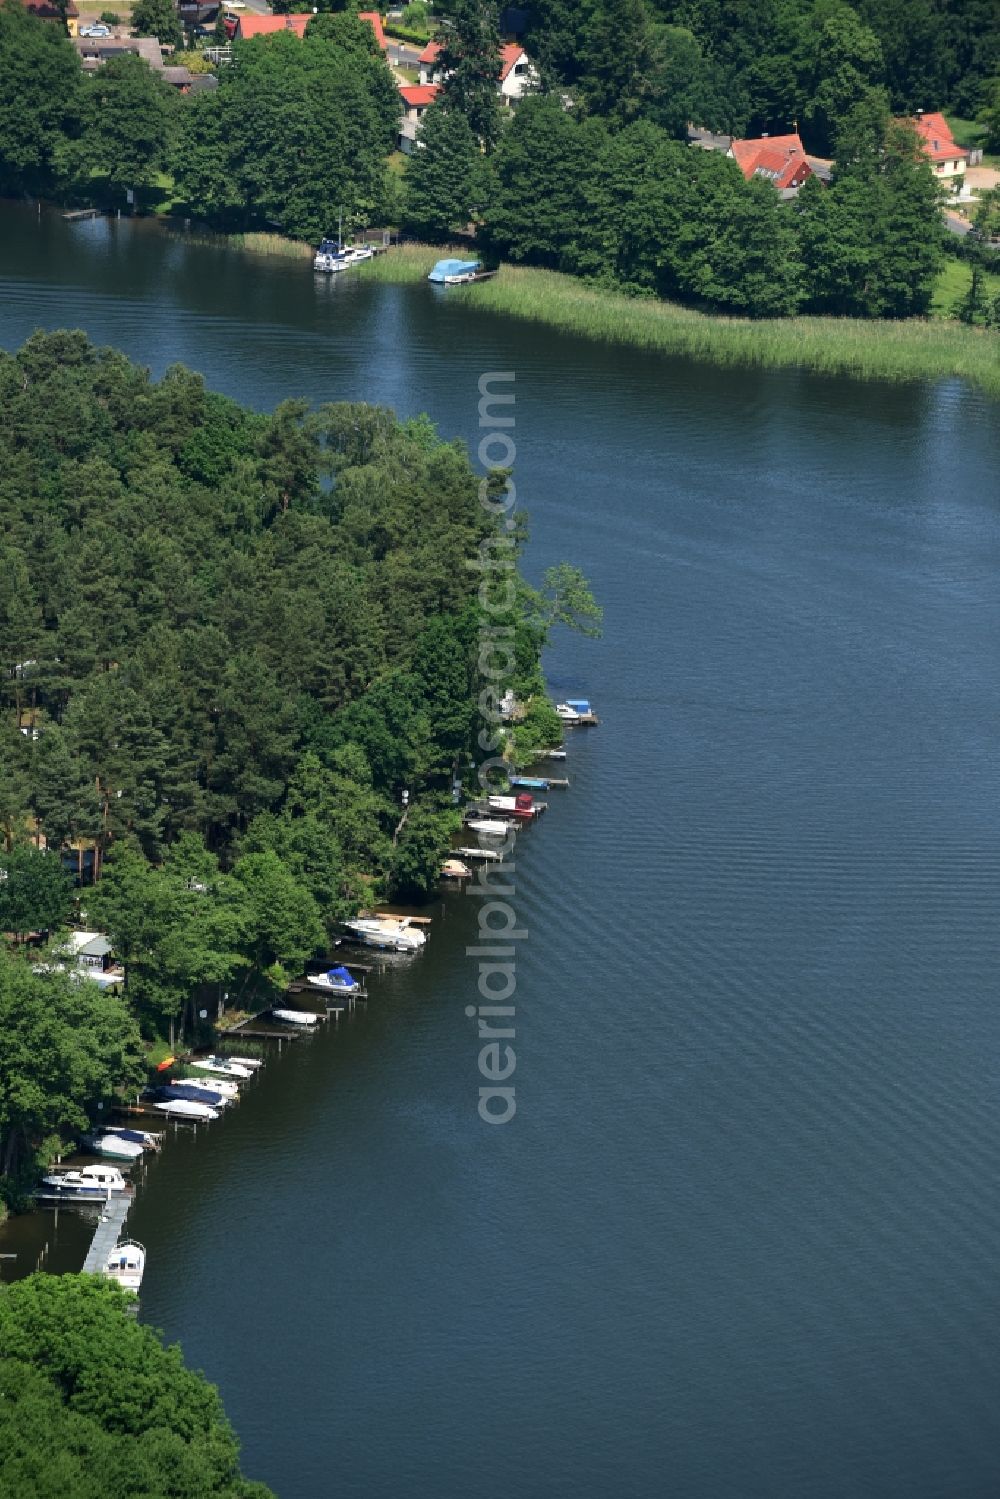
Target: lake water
[(742, 1237)]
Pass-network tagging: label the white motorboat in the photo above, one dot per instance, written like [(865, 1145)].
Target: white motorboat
[(89, 1184), (391, 932), (334, 981), (252, 1063), (454, 869), (113, 1147), (295, 1017), (490, 827), (566, 713), (185, 1108), (126, 1264), (222, 1067), (222, 1087)]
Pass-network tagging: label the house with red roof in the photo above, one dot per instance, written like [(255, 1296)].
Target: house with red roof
[(245, 25), (417, 97), (517, 72), (948, 160), (780, 159)]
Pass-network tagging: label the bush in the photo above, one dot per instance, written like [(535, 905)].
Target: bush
[(111, 18)]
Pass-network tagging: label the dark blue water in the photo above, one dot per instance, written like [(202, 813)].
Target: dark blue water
[(742, 1236)]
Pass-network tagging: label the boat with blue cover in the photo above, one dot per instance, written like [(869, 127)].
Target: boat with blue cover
[(335, 981), (454, 272)]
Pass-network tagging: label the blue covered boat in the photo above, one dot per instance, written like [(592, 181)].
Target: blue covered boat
[(532, 783), (454, 272), (335, 981)]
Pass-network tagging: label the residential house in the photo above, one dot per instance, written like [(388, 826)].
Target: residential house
[(243, 26), (86, 955), (948, 160), (517, 73), (780, 159), (95, 51), (417, 99), (44, 10)]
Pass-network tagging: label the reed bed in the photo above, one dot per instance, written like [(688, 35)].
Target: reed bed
[(917, 349), (272, 244)]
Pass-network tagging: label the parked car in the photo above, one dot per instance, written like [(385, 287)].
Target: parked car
[(98, 29)]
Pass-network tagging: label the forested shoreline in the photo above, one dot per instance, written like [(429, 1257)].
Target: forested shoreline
[(234, 647)]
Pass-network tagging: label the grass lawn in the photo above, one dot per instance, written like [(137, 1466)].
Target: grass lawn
[(970, 135), (952, 284)]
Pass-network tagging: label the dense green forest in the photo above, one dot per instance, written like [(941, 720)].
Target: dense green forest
[(93, 1406), (229, 642)]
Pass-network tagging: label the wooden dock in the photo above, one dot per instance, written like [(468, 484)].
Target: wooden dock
[(108, 1232)]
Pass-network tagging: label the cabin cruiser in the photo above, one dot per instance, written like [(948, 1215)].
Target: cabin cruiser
[(89, 1184), (522, 805), (113, 1147), (295, 1017), (223, 1067), (392, 932), (567, 714), (125, 1264), (332, 256), (185, 1108), (334, 981)]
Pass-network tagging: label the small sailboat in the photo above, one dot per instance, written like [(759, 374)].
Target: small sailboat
[(334, 981), (89, 1184), (302, 1018), (126, 1264)]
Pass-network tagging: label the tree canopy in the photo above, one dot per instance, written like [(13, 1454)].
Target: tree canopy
[(93, 1405)]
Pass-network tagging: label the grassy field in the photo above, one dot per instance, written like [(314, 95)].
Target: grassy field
[(969, 134), (920, 349), (953, 283)]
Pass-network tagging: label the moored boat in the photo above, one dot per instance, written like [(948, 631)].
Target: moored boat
[(112, 1146), (454, 869), (295, 1017), (252, 1063), (89, 1184), (126, 1264), (491, 827), (394, 933), (334, 981), (188, 1093), (523, 805), (451, 272), (222, 1087), (222, 1067), (185, 1108)]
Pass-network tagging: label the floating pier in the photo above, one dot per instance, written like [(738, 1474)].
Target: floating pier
[(109, 1229)]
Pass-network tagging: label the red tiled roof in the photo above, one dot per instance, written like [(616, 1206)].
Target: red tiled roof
[(936, 138), (250, 26), (375, 21), (509, 55), (430, 52), (746, 152), (419, 95)]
